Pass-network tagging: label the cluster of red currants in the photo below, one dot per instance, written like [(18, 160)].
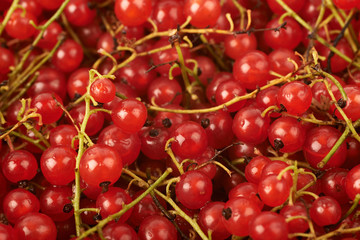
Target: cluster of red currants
[(179, 119)]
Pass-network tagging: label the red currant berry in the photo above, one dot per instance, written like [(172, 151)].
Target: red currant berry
[(55, 163), (103, 90), (133, 13), (157, 227), (194, 189), (19, 26), (268, 225), (190, 140), (78, 12), (35, 226), (203, 13), (19, 165), (100, 164), (325, 211), (129, 115), (295, 97), (47, 105), (68, 56)]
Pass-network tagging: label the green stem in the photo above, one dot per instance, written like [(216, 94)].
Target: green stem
[(334, 148), (126, 207), (183, 67), (337, 84)]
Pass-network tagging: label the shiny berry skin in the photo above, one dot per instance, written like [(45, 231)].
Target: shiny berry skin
[(129, 115), (112, 201), (157, 228), (127, 144), (325, 211), (227, 91), (7, 60), (99, 164), (268, 225), (252, 69), (206, 69), (167, 14), (19, 165), (203, 13), (63, 135), (319, 142), (295, 5), (68, 56), (237, 214), (194, 189), (287, 38), (275, 167), (253, 169), (210, 220), (119, 231), (295, 97), (133, 13), (78, 13), (35, 226), (190, 140), (18, 202), (103, 90), (273, 192), (48, 107), (18, 25), (236, 46), (55, 164), (286, 134), (55, 202), (170, 120), (49, 80), (352, 185), (296, 225), (249, 126), (164, 91), (218, 128)]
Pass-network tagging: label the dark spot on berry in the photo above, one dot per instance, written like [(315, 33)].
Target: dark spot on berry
[(278, 144), (166, 122), (67, 208), (205, 122), (154, 132), (226, 213)]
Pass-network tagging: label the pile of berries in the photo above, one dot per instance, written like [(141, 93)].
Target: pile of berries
[(179, 119)]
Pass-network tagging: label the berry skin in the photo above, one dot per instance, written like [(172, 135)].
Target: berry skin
[(129, 115), (18, 25), (194, 189), (99, 164), (35, 226), (352, 186), (268, 225), (295, 97), (190, 140), (7, 60), (202, 12), (68, 56), (325, 211), (252, 69), (157, 228), (103, 90), (133, 13), (19, 165)]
